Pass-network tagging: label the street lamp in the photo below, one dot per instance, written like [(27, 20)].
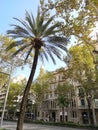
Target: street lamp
[(6, 94)]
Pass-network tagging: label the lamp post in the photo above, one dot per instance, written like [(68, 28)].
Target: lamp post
[(6, 94)]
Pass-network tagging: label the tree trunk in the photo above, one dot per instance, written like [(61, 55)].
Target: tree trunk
[(26, 92), (89, 110), (93, 112)]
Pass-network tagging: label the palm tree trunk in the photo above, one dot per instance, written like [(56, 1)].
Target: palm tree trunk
[(26, 92)]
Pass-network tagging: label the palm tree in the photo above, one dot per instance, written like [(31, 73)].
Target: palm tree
[(39, 37)]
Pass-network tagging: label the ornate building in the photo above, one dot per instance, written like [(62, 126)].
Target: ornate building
[(78, 110)]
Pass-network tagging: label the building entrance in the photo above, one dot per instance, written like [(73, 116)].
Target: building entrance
[(53, 116)]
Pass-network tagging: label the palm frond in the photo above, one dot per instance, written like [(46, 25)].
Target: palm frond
[(58, 42), (39, 23), (19, 50), (50, 30), (56, 51), (18, 33), (47, 23), (31, 21), (38, 18), (41, 56), (25, 24), (49, 52), (58, 39), (62, 47), (28, 53), (44, 54)]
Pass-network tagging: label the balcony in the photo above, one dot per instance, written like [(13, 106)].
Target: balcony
[(83, 107)]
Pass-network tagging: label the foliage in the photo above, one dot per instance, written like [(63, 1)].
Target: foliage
[(83, 72), (16, 90), (5, 56), (3, 78), (80, 64), (6, 62), (82, 68), (81, 54), (63, 98), (63, 94), (40, 30), (4, 42), (77, 18), (41, 86), (29, 106)]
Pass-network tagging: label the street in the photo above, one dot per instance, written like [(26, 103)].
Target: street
[(27, 126)]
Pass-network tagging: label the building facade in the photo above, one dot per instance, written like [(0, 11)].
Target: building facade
[(78, 110)]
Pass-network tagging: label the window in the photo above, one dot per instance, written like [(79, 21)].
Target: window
[(46, 95), (74, 114), (50, 94), (96, 102), (74, 103), (82, 102), (38, 114), (81, 92), (55, 93), (59, 77), (51, 104)]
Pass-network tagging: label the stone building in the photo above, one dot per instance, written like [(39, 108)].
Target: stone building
[(77, 111)]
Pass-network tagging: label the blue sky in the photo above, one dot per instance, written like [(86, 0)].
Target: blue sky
[(14, 8), (17, 8)]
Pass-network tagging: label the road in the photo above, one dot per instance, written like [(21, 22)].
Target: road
[(27, 126)]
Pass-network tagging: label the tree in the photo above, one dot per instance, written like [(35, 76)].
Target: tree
[(81, 63), (41, 88), (39, 37), (3, 78), (63, 99), (5, 56), (77, 17), (14, 90), (82, 70), (78, 20)]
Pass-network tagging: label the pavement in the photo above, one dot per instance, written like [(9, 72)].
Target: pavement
[(27, 126)]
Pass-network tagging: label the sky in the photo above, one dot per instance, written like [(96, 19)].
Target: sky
[(16, 8)]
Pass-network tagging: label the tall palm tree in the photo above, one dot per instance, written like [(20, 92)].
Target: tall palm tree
[(42, 41)]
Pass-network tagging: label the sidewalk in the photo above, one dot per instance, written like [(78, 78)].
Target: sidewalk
[(13, 127), (9, 126), (28, 126)]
